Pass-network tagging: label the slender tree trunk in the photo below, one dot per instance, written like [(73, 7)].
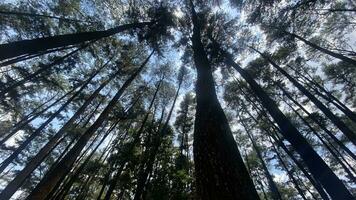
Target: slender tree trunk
[(26, 118), (279, 142), (71, 180), (38, 131), (326, 145), (25, 57), (347, 150), (26, 122), (316, 165), (18, 14), (219, 169), (272, 185), (50, 180), (289, 172), (323, 50), (143, 175), (41, 70), (35, 161), (34, 46), (131, 145), (336, 120)]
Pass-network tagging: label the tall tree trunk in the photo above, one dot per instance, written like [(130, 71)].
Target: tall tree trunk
[(326, 145), (34, 46), (87, 159), (278, 142), (323, 50), (25, 119), (39, 71), (316, 165), (38, 131), (347, 150), (144, 173), (219, 169), (131, 145), (289, 172), (336, 120), (272, 185), (50, 180), (18, 14), (35, 161), (136, 138), (20, 126)]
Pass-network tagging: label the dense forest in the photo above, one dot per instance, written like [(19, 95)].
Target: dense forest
[(178, 99)]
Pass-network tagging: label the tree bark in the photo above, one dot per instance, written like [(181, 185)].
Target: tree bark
[(219, 169)]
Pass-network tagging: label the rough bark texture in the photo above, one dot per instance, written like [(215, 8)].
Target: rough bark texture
[(219, 169)]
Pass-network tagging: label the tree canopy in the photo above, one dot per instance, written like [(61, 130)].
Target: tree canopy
[(177, 99)]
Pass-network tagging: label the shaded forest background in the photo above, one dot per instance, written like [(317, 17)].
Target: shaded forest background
[(177, 99)]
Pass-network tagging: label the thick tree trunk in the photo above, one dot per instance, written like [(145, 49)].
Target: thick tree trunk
[(336, 120), (323, 50), (35, 161), (219, 169), (50, 180), (29, 47), (316, 165)]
